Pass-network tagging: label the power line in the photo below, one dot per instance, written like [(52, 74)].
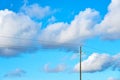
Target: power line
[(45, 43), (3, 36), (55, 43), (100, 50), (31, 46), (66, 43)]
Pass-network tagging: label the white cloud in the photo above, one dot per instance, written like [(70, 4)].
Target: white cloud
[(77, 31), (36, 11), (84, 26), (75, 56), (98, 62), (51, 20), (25, 2), (112, 78), (15, 73), (63, 35), (109, 28), (15, 29), (77, 68), (58, 68), (117, 62)]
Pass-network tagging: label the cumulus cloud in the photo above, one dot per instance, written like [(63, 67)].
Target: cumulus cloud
[(58, 68), (116, 65), (75, 56), (64, 35), (12, 27), (109, 28), (98, 62), (36, 11), (77, 31), (15, 73), (51, 20), (85, 25), (25, 2), (112, 78)]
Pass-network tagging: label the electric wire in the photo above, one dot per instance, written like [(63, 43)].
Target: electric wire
[(47, 43)]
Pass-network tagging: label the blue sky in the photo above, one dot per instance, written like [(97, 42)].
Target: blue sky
[(40, 39)]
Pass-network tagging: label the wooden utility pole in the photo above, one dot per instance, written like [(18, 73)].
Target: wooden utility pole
[(80, 63)]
